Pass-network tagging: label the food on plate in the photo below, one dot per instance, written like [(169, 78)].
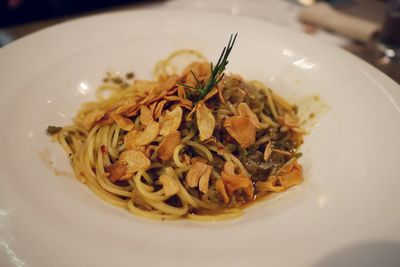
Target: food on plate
[(200, 144)]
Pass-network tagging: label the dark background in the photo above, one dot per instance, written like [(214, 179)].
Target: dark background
[(13, 12), (19, 18)]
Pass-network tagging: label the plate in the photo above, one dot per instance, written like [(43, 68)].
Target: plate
[(346, 211)]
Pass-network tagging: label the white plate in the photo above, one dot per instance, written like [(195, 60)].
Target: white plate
[(345, 212)]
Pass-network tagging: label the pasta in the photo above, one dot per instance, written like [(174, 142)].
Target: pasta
[(163, 149)]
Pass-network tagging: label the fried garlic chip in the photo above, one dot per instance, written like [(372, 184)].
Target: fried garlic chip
[(170, 184), (205, 121), (135, 161), (136, 138), (204, 180), (167, 146), (220, 187), (268, 151), (292, 122), (199, 171), (169, 83), (91, 118), (123, 122), (159, 108), (233, 182), (145, 115), (242, 130), (289, 175), (116, 171), (245, 111), (170, 121)]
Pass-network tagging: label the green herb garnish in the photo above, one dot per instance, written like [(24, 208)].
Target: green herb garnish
[(53, 129), (68, 139), (217, 72), (298, 155)]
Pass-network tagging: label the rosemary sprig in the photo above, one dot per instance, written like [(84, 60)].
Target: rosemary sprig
[(217, 72)]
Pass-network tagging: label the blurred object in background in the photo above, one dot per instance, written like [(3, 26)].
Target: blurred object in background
[(325, 16), (384, 52), (390, 35), (22, 17), (357, 37), (14, 12), (280, 12)]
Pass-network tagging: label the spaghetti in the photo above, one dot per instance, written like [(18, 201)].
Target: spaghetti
[(160, 151)]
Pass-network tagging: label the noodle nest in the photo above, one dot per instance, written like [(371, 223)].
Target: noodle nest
[(153, 148)]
